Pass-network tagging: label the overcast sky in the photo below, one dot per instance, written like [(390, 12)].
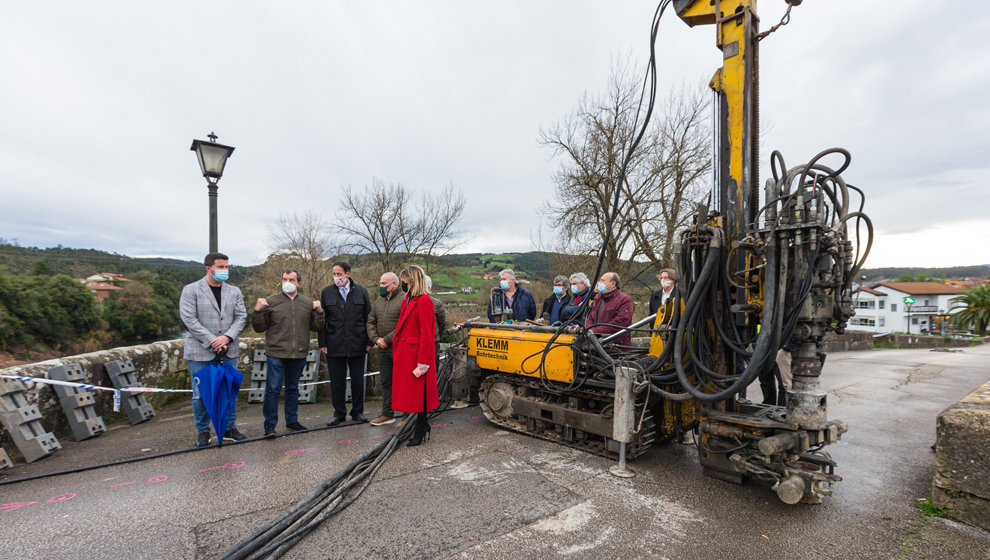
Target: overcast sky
[(101, 100)]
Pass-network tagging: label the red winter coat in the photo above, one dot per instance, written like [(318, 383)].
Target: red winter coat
[(414, 343)]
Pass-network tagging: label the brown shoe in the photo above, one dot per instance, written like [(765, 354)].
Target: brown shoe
[(382, 420), (401, 422)]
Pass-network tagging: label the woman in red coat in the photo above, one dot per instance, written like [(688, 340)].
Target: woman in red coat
[(414, 381)]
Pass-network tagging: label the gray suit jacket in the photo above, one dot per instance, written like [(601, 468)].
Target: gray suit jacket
[(205, 321)]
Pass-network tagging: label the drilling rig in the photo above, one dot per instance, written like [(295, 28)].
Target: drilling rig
[(759, 268)]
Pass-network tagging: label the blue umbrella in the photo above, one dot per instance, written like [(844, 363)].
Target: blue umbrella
[(218, 385)]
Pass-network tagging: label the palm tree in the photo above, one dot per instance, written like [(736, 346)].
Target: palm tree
[(972, 310)]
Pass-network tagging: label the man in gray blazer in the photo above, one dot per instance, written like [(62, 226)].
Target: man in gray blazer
[(214, 315)]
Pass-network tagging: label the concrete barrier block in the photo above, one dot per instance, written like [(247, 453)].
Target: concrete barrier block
[(5, 462), (31, 439), (962, 467), (122, 375)]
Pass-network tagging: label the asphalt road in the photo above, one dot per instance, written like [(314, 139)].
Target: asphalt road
[(475, 491)]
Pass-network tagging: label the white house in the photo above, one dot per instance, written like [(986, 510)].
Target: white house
[(909, 307)]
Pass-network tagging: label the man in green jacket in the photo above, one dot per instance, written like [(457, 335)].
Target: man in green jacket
[(286, 319), (381, 326)]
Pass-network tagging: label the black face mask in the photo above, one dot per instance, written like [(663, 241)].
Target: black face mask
[(404, 286)]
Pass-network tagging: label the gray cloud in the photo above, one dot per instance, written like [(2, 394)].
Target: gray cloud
[(101, 101)]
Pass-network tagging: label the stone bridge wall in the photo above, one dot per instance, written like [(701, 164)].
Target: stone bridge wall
[(158, 364), (962, 459)]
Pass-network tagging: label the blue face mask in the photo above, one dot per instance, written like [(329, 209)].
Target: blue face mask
[(221, 275), (601, 287), (575, 289), (504, 284), (558, 290)]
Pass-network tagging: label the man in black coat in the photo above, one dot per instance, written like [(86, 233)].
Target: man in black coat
[(344, 341)]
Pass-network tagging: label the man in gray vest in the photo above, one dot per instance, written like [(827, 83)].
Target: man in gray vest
[(214, 315)]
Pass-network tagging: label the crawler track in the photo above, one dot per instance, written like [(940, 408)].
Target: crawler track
[(579, 418)]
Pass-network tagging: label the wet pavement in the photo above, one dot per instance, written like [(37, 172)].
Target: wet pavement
[(476, 491)]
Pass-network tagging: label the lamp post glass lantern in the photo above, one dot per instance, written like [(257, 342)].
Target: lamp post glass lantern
[(212, 159)]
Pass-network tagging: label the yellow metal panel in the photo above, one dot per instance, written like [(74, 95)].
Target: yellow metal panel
[(520, 352), (734, 39), (700, 12)]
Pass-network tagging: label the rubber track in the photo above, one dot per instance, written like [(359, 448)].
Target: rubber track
[(644, 439)]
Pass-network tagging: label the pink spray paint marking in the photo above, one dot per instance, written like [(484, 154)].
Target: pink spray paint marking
[(476, 417), (15, 505), (62, 498), (439, 425), (352, 440), (158, 478), (234, 465), (123, 484), (293, 452)]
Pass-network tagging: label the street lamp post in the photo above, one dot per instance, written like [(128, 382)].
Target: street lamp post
[(212, 159), (908, 302)]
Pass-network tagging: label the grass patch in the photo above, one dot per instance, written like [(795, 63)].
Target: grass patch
[(930, 510)]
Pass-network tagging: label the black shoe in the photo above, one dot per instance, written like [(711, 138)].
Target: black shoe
[(203, 440), (233, 435), (336, 420), (269, 432), (295, 427), (361, 418)]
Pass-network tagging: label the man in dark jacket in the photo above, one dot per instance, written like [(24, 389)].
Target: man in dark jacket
[(381, 327), (286, 319), (611, 310), (553, 305), (512, 296), (580, 290), (344, 341)]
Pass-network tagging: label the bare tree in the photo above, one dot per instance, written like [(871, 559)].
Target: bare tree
[(303, 242), (664, 179), (384, 222), (440, 224), (372, 221)]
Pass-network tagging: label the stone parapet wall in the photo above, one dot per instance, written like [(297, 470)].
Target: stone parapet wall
[(848, 341), (915, 341), (962, 459), (158, 364)]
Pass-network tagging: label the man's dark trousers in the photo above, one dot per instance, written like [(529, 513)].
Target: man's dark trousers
[(289, 369), (385, 375), (338, 368)]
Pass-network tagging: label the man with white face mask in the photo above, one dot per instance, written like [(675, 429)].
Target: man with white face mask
[(344, 341), (286, 319)]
